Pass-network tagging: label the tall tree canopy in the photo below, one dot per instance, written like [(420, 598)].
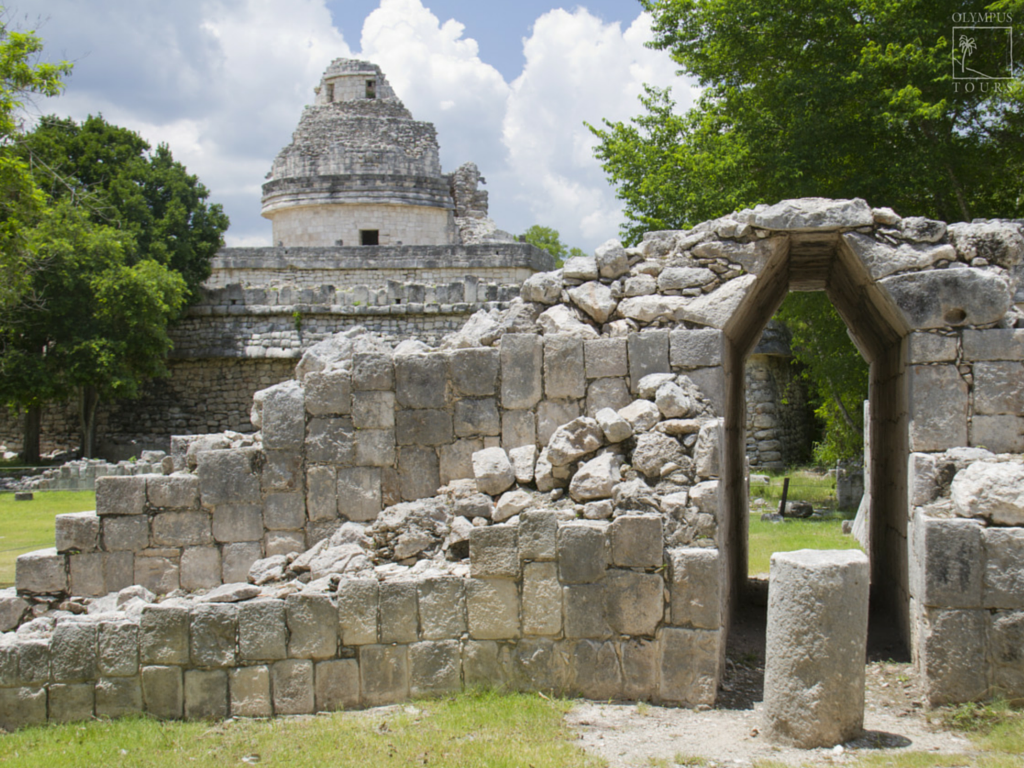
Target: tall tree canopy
[(548, 239), (830, 98), (159, 208)]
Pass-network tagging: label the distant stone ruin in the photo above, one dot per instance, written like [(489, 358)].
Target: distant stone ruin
[(555, 497)]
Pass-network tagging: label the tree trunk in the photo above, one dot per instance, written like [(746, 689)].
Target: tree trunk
[(88, 399), (30, 443)]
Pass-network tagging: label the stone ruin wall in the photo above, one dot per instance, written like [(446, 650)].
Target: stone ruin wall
[(346, 579)]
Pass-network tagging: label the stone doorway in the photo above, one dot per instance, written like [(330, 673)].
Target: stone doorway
[(823, 261)]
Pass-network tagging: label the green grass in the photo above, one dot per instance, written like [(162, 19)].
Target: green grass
[(825, 532), (28, 525), (475, 729)]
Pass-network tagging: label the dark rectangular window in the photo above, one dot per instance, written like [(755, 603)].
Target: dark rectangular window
[(369, 237), (330, 92), (371, 89)]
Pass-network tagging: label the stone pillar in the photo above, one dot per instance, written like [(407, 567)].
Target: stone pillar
[(815, 647)]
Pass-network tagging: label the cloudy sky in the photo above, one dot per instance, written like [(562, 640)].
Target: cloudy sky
[(508, 84)]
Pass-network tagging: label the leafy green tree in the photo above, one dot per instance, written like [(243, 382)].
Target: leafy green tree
[(831, 98), (21, 201), (110, 172), (92, 325), (548, 239)]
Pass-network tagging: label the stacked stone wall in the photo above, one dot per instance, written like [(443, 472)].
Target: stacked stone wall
[(778, 424), (330, 225)]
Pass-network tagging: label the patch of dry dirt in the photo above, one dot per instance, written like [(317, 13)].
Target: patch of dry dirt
[(641, 735)]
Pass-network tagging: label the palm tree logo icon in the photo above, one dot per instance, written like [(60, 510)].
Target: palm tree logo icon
[(967, 47)]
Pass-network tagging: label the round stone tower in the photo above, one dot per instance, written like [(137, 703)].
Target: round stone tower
[(359, 170)]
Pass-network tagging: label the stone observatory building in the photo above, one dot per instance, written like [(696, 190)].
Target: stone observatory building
[(554, 497), (367, 231)]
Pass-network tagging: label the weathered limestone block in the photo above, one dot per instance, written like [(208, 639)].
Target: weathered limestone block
[(173, 491), (435, 668), (118, 696), (292, 683), (952, 648), (635, 602), (605, 357), (585, 607), (474, 372), (715, 309), (283, 418), (212, 635), (809, 214), (373, 410), (383, 674), (163, 635), (206, 694), (994, 241), (537, 664), (607, 393), (493, 551), (993, 491), (237, 559), (597, 672), (336, 685), (262, 633), (595, 299), (121, 495), (1006, 638), (359, 493), (484, 663), (655, 451), (73, 653), (118, 570), (615, 428), (563, 367), (284, 543), (357, 611), (330, 440), (118, 649), (163, 692), (493, 471), (522, 362), (637, 541), (689, 662), (648, 309), (936, 298), (1000, 434), (596, 479), (41, 572), (78, 532), (673, 402), (398, 612), (157, 573), (234, 522), (228, 477), (680, 278), (511, 503), (639, 668), (284, 511), (574, 440), (695, 587), (328, 393), (126, 533), (552, 414), (993, 344), (538, 534), (542, 600), (282, 471), (583, 552), (249, 687), (86, 574), (442, 605), (12, 609), (177, 529), (999, 387), (707, 453), (372, 370), (1004, 568), (542, 287), (648, 353), (422, 427), (580, 268), (418, 473), (949, 561), (477, 417), (816, 599), (313, 626), (22, 707), (71, 703), (564, 320), (928, 347), (641, 415), (456, 460), (612, 259), (882, 260), (492, 608)]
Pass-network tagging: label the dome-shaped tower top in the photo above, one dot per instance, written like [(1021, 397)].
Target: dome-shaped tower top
[(359, 170)]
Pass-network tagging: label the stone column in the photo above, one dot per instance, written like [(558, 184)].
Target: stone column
[(815, 647)]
